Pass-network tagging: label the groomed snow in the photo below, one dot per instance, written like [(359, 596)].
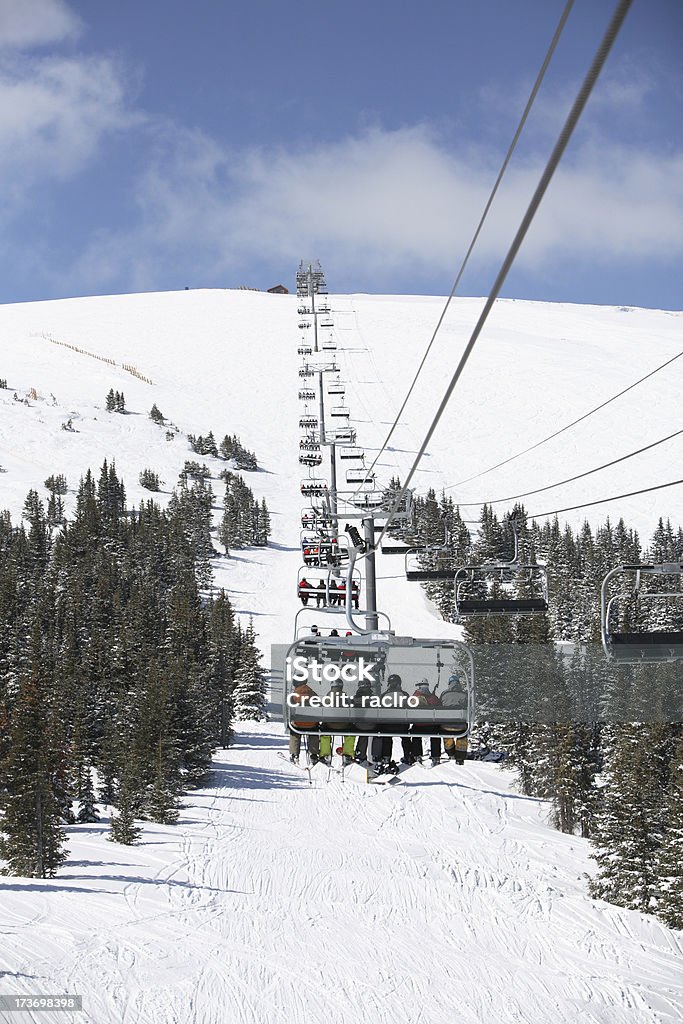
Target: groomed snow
[(447, 897)]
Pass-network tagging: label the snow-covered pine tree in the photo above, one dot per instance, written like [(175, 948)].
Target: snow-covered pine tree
[(670, 854), (122, 827), (629, 826), (249, 694), (87, 811), (32, 836)]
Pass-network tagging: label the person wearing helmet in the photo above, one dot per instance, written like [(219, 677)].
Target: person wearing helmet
[(455, 697), (393, 697), (301, 695), (338, 701), (426, 699)]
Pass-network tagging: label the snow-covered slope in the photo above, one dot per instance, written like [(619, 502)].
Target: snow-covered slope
[(226, 360), (444, 899), (447, 898)]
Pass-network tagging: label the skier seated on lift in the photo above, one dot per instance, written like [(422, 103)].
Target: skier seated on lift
[(395, 697), (301, 695), (304, 587), (359, 700), (333, 594), (355, 594), (320, 594), (338, 701), (426, 699), (455, 696)]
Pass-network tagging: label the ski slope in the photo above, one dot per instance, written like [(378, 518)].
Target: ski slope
[(448, 897), (445, 898)]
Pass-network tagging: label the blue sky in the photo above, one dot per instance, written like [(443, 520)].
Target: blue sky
[(158, 144)]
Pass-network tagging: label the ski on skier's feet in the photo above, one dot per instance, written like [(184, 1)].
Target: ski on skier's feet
[(295, 764)]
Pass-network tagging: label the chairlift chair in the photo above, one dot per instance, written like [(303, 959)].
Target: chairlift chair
[(360, 476), (306, 371), (308, 422), (303, 311), (307, 396), (375, 711), (332, 592), (641, 647), (336, 388), (470, 581), (314, 487), (303, 325), (340, 412), (310, 458), (304, 350), (314, 517), (329, 345), (325, 552), (344, 435), (350, 453)]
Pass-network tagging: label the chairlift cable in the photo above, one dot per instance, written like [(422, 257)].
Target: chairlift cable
[(551, 166), (571, 479), (568, 426), (480, 225), (602, 501)]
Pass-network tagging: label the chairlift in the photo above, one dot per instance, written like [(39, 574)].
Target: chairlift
[(501, 588), (325, 552), (326, 323), (352, 453), (314, 487), (364, 706), (643, 646), (363, 499), (304, 350), (310, 458), (340, 412), (303, 311), (470, 581), (336, 388), (306, 371), (307, 396), (304, 324), (330, 588), (316, 518), (310, 443), (360, 476), (329, 345), (308, 422), (345, 435)]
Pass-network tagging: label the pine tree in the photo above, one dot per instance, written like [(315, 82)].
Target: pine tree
[(249, 694), (629, 826), (122, 828), (87, 811), (156, 415), (111, 401), (670, 854), (33, 838)]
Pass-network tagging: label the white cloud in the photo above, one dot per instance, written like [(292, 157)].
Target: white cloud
[(28, 23), (387, 201), (54, 113)]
